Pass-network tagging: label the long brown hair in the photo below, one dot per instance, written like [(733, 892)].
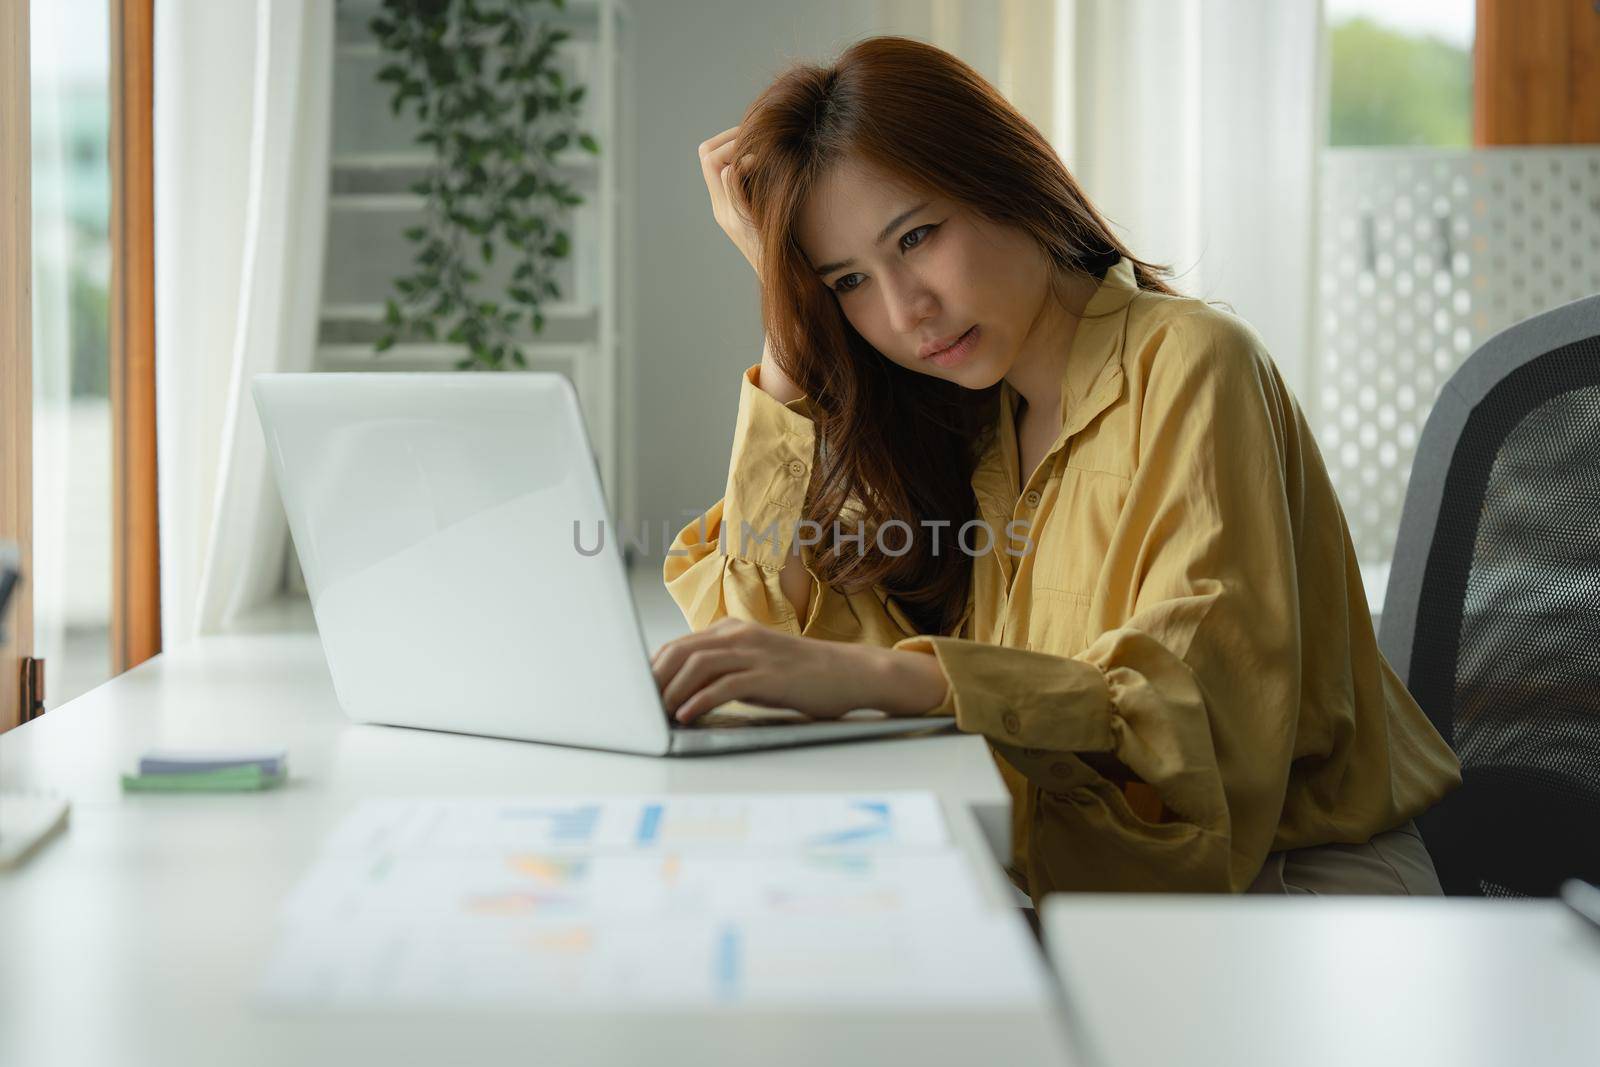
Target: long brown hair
[(892, 443)]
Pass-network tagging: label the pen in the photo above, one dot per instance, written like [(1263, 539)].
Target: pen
[(1582, 898)]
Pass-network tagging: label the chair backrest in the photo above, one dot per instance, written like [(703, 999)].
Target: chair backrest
[(1492, 613)]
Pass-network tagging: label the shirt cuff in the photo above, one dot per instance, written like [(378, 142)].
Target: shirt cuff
[(773, 446), (1030, 700), (947, 707)]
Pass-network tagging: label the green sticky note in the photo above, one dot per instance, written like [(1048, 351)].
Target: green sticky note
[(226, 780)]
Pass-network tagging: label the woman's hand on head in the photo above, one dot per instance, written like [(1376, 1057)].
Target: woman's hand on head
[(734, 659), (773, 381), (720, 165)]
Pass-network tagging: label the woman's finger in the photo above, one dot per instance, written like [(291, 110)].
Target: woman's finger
[(714, 152), (670, 658), (730, 182), (715, 162), (725, 151), (701, 669), (726, 632), (728, 687), (711, 144)]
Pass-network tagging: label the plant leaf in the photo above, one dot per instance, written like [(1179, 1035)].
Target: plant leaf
[(478, 76)]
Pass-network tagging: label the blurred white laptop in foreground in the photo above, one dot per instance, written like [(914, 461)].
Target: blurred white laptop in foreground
[(438, 520)]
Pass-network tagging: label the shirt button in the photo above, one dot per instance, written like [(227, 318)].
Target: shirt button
[(1011, 722), (1032, 498), (1060, 770), (797, 468), (1033, 753)]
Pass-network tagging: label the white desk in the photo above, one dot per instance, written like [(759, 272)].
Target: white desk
[(137, 936), (1234, 982)]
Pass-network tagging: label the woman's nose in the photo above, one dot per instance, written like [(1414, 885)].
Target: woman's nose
[(911, 304)]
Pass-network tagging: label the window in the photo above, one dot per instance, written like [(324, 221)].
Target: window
[(71, 577), (1429, 241), (1400, 72), (77, 411)]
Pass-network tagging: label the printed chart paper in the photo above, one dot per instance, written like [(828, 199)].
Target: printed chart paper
[(619, 903), (667, 884), (975, 962), (768, 822)]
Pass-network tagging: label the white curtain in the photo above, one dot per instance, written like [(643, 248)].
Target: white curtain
[(1012, 43), (242, 128), (1194, 125)]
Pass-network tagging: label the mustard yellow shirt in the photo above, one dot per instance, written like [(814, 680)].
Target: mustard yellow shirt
[(1182, 675)]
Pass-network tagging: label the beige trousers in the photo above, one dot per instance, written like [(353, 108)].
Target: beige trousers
[(1393, 862)]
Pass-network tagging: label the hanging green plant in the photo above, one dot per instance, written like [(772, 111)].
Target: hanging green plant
[(480, 77)]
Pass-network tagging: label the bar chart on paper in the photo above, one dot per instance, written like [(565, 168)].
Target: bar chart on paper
[(716, 900), (767, 822)]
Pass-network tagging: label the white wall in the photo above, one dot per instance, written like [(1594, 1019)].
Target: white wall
[(698, 316)]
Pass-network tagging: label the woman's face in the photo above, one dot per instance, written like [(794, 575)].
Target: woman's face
[(939, 271)]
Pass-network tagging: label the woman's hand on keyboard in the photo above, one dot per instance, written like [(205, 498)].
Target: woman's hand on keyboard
[(734, 659)]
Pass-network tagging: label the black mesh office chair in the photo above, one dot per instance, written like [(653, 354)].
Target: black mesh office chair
[(1492, 614)]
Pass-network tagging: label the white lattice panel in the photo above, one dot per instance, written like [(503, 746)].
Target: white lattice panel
[(1422, 256)]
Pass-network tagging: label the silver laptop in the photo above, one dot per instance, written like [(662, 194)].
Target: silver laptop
[(447, 526)]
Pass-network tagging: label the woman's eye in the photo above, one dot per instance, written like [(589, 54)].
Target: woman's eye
[(913, 233), (841, 287)]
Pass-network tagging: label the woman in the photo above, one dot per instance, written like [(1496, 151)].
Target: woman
[(1165, 641)]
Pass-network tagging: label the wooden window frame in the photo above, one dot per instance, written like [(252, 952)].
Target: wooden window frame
[(16, 347), (1536, 73), (136, 567), (136, 551)]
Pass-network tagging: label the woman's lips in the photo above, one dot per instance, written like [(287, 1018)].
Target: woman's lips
[(956, 352)]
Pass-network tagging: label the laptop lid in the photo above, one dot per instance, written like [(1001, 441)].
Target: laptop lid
[(463, 569)]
